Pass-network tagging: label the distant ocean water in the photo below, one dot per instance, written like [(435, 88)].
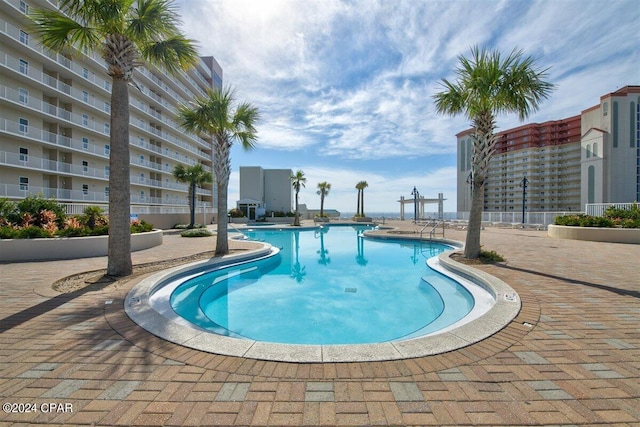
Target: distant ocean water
[(387, 215)]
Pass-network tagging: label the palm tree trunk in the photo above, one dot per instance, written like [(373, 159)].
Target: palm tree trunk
[(321, 205), (358, 208), (223, 171), (296, 220), (472, 244), (362, 202), (192, 203), (119, 247)]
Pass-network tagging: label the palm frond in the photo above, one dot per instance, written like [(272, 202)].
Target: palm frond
[(175, 53), (59, 32)]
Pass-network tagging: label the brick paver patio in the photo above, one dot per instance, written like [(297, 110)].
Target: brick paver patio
[(571, 357)]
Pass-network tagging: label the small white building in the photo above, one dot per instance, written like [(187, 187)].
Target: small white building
[(265, 190)]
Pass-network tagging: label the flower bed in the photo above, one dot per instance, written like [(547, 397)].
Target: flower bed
[(595, 234), (55, 248)]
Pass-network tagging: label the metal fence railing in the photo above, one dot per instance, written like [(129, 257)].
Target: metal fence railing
[(598, 209)]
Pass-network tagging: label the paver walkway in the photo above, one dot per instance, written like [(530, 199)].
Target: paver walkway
[(571, 357)]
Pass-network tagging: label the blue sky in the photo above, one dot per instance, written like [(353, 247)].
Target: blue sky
[(345, 88)]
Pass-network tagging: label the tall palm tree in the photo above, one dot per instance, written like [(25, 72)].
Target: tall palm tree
[(297, 181), (489, 84), (323, 191), (361, 186), (194, 176), (127, 34), (217, 116)]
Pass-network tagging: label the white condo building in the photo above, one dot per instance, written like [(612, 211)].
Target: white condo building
[(264, 190), (590, 158), (55, 118)]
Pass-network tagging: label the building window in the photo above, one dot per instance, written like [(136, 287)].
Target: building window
[(588, 150), (23, 126), (24, 7), (107, 128), (24, 154), (141, 195), (85, 96), (24, 183), (106, 191), (107, 171), (24, 37), (23, 95), (85, 166), (85, 189), (605, 108), (107, 85), (85, 73), (595, 149), (142, 177), (107, 149), (107, 107), (141, 159), (24, 66), (85, 143), (85, 120)]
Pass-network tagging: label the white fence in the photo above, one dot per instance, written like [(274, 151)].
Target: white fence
[(598, 209), (78, 209)]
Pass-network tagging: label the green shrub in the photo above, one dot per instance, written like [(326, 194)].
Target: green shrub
[(34, 205), (140, 226), (186, 226), (582, 220), (490, 256), (7, 209), (7, 232), (74, 232), (236, 213), (93, 217), (31, 232), (196, 232), (615, 213)]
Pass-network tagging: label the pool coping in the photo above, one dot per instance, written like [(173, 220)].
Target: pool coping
[(507, 306)]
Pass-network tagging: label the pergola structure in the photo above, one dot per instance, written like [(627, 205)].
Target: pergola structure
[(419, 202)]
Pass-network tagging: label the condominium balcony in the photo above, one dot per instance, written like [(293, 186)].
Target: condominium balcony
[(81, 196), (27, 161)]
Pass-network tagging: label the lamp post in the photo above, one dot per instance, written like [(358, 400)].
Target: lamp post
[(523, 184), (415, 195)]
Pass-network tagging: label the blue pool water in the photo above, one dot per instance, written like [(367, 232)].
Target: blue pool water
[(327, 286)]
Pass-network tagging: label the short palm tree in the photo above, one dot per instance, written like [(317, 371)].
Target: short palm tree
[(217, 116), (195, 176), (127, 34), (323, 190), (489, 84), (361, 186), (297, 181)]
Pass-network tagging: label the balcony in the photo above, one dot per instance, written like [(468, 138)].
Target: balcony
[(51, 110), (23, 161)]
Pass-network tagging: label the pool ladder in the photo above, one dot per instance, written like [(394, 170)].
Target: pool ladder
[(434, 224)]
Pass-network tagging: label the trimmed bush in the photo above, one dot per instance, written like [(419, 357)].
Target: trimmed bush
[(196, 232)]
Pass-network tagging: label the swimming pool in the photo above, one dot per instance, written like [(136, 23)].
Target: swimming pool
[(329, 285)]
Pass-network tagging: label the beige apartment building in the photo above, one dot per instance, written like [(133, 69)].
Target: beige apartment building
[(55, 119), (593, 157)]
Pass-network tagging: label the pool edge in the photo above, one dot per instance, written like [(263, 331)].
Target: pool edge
[(507, 307)]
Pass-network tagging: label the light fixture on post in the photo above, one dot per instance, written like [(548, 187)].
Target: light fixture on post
[(523, 184), (415, 195)]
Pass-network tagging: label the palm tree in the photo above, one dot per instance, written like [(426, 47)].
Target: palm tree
[(361, 186), (127, 34), (297, 181), (217, 116), (194, 176), (488, 84), (323, 191)]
